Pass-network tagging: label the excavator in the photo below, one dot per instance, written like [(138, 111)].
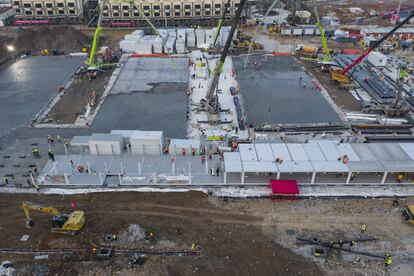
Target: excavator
[(340, 75), (61, 223)]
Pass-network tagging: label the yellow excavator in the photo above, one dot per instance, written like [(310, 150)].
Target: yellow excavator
[(61, 223), (408, 214)]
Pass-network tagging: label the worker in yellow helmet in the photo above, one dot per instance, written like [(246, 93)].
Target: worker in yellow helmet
[(388, 260)]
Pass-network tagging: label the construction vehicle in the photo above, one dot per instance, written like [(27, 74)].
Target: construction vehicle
[(44, 52), (307, 51), (61, 223), (318, 24), (408, 214), (340, 75), (272, 28), (246, 44)]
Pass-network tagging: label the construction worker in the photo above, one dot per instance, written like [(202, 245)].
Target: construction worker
[(6, 179), (217, 171), (35, 170), (203, 159), (400, 177), (388, 260), (183, 151), (363, 228), (114, 237), (193, 152), (93, 250), (51, 155)]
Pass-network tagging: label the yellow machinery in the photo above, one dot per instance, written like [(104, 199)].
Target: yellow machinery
[(44, 52), (61, 223), (408, 214)]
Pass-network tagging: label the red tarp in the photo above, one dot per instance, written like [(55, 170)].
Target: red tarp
[(351, 51), (284, 188)]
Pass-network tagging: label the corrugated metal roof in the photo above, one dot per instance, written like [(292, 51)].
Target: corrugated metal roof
[(264, 152), (247, 152), (297, 152), (259, 166), (314, 152), (232, 162), (281, 151)]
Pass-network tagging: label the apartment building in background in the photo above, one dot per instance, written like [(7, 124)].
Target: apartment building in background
[(49, 11)]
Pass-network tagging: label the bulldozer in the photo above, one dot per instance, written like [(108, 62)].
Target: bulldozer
[(61, 223), (408, 214)]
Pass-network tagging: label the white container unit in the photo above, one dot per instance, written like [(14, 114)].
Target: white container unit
[(145, 45), (201, 37), (126, 134), (181, 34), (108, 144), (297, 31), (309, 31), (128, 46), (180, 46), (191, 38), (377, 59), (170, 44), (209, 37), (177, 145), (147, 142), (139, 33), (158, 47), (286, 31), (132, 37)]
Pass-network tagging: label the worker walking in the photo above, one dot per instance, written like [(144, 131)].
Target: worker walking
[(203, 158), (51, 155), (6, 180), (363, 228), (388, 260)]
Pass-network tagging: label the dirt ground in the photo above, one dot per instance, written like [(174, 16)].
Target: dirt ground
[(236, 237), (74, 100), (341, 96)]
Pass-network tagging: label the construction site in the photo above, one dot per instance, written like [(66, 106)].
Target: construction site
[(275, 138)]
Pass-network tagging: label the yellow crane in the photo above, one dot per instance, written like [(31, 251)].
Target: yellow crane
[(61, 223)]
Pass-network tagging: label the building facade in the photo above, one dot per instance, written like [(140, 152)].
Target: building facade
[(170, 12), (48, 11)]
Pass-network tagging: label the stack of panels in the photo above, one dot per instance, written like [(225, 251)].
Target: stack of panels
[(201, 37), (158, 47), (147, 142), (170, 44), (191, 38)]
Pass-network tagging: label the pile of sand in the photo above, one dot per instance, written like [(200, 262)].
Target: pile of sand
[(62, 38)]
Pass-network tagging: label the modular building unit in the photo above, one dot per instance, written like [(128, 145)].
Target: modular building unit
[(191, 38), (147, 142), (201, 37), (297, 31), (109, 144), (177, 146), (286, 31), (309, 31), (377, 59)]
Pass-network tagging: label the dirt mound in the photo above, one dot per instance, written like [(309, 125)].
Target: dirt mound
[(62, 38)]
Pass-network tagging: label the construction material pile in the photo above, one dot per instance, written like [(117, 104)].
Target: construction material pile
[(62, 38), (173, 40)]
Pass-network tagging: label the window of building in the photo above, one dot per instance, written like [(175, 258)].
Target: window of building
[(17, 10), (28, 12), (71, 11), (115, 7), (49, 5), (207, 6), (136, 14), (71, 4), (126, 14), (167, 7), (187, 6), (167, 14), (177, 14), (27, 5), (197, 6), (197, 13), (61, 12), (156, 14), (16, 3), (115, 14), (207, 13), (187, 13), (39, 12), (226, 5), (60, 5), (38, 5), (177, 7), (146, 8), (147, 13), (217, 6), (50, 12), (217, 12), (105, 14), (156, 7), (125, 8)]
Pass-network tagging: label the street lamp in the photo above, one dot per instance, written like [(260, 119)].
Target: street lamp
[(10, 48)]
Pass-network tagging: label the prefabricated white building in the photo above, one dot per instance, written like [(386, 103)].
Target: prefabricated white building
[(104, 143), (177, 146), (147, 142)]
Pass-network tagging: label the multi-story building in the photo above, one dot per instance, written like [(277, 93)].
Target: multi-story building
[(174, 13), (55, 11)]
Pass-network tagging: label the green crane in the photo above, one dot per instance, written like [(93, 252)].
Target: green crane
[(318, 24), (92, 66)]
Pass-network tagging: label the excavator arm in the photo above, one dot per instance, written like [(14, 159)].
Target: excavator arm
[(98, 30), (27, 206)]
